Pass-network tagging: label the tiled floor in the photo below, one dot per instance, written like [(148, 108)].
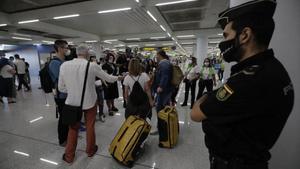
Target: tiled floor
[(27, 144)]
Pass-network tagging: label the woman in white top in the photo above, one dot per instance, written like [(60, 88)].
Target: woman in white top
[(136, 75), (207, 78), (190, 80), (6, 82)]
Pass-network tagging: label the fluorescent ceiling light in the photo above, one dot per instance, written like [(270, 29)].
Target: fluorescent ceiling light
[(48, 161), (133, 39), (1, 25), (181, 122), (174, 2), (20, 38), (28, 21), (163, 28), (168, 44), (114, 10), (91, 41), (111, 40), (214, 42), (137, 1), (37, 44), (149, 44), (220, 34), (187, 43), (173, 39), (168, 34), (49, 42), (150, 14), (159, 37), (185, 36), (21, 153), (66, 16)]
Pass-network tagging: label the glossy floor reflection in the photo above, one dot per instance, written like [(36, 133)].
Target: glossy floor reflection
[(28, 139)]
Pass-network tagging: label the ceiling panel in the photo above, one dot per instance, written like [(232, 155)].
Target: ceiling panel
[(14, 6)]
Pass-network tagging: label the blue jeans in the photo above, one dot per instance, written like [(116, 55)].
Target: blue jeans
[(162, 100)]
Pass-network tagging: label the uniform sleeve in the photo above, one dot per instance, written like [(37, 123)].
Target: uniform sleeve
[(54, 69), (234, 101), (103, 75)]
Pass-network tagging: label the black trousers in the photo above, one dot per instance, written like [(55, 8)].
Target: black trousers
[(62, 129), (174, 94), (22, 81), (220, 74), (208, 84), (190, 85)]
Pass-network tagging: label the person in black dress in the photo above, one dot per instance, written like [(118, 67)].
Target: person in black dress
[(111, 90)]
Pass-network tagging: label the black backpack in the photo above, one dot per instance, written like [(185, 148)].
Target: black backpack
[(138, 95), (46, 82), (138, 102)]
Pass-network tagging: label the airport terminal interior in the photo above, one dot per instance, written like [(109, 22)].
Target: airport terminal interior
[(135, 28)]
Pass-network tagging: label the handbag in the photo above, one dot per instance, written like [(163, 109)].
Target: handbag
[(72, 114)]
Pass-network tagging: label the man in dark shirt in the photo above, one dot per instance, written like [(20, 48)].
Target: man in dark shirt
[(243, 119)]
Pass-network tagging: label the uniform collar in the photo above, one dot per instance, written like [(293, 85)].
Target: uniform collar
[(254, 60)]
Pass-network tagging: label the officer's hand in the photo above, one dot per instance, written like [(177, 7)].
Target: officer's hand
[(197, 114)]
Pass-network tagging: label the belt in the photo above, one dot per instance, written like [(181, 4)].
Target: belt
[(234, 163)]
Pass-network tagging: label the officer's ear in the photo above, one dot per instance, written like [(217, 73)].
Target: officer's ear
[(246, 35)]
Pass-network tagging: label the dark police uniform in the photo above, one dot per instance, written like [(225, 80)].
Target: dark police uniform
[(247, 114)]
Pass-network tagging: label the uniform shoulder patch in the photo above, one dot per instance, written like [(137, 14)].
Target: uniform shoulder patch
[(224, 93), (251, 70)]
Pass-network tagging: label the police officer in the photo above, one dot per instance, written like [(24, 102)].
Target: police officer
[(243, 119)]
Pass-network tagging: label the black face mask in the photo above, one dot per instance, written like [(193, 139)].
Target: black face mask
[(231, 50)]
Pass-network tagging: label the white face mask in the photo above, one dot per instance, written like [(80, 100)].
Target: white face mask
[(206, 64), (68, 52), (111, 60)]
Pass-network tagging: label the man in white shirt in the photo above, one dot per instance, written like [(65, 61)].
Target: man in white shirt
[(21, 71), (71, 79)]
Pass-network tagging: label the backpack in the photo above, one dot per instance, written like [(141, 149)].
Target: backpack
[(46, 81), (177, 75), (138, 101)]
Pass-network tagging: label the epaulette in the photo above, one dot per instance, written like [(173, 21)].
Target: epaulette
[(251, 70)]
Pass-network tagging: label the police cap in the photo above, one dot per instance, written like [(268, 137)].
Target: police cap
[(258, 8)]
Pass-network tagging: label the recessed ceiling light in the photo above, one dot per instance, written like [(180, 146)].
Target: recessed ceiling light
[(1, 25), (174, 2), (150, 14), (49, 42), (185, 36), (137, 1), (66, 16), (149, 44), (114, 10), (111, 40), (20, 38), (28, 21), (133, 39), (91, 41), (159, 37), (188, 43), (168, 44)]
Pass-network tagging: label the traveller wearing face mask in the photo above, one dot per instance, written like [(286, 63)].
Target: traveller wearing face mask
[(243, 119), (62, 50), (111, 90), (207, 78), (190, 80)]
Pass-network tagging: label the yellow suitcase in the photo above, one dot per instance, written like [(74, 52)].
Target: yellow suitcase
[(126, 144), (168, 127)]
